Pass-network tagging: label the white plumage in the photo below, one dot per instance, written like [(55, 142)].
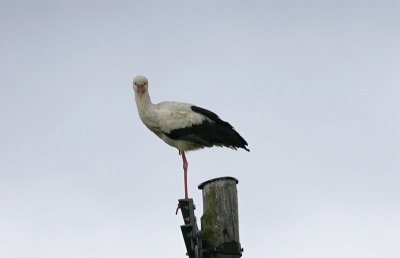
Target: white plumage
[(184, 126), (165, 117)]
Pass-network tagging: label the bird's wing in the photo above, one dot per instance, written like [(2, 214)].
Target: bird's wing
[(211, 116), (176, 115), (182, 121), (212, 131)]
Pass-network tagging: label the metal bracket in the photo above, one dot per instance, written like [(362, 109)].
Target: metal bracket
[(190, 231)]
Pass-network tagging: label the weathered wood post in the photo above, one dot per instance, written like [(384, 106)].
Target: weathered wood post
[(220, 222)]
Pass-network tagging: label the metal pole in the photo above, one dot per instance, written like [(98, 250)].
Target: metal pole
[(190, 231)]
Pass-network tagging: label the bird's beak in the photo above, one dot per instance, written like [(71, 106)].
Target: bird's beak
[(140, 90)]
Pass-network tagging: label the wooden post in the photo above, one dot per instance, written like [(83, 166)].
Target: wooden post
[(220, 222)]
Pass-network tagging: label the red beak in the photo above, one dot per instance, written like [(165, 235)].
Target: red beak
[(140, 90)]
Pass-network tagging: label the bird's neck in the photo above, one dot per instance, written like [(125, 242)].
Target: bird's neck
[(143, 103)]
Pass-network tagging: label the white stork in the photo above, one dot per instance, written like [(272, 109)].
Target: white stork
[(184, 126)]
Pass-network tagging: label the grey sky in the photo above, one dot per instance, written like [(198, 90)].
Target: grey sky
[(313, 86)]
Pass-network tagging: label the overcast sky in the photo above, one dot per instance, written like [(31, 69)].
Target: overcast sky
[(313, 86)]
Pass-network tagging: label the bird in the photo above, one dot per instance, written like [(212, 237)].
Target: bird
[(184, 126)]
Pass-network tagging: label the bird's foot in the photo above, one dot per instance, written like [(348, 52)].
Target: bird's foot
[(177, 209)]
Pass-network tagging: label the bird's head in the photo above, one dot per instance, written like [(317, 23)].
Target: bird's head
[(140, 85)]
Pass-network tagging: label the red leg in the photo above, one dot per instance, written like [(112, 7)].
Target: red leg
[(185, 166)]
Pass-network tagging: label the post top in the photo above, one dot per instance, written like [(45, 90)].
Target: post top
[(201, 186)]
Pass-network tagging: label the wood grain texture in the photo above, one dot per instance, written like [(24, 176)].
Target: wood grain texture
[(220, 220)]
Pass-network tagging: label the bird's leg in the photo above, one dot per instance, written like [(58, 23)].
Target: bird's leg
[(185, 166)]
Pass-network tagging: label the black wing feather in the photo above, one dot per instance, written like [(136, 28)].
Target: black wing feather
[(217, 132)]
